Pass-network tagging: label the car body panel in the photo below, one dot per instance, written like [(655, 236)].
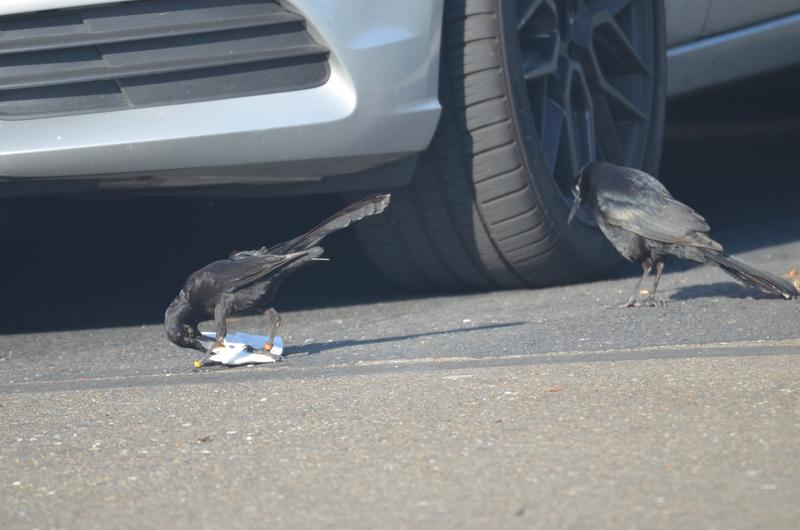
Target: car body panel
[(726, 15), (685, 20), (689, 20), (382, 91), (714, 41), (12, 7), (380, 103), (732, 55)]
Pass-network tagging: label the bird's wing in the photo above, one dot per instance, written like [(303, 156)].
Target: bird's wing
[(640, 204), (232, 274)]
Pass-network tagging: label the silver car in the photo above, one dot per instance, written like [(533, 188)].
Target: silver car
[(476, 113)]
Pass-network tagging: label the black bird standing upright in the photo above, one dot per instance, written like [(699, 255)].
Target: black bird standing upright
[(645, 224), (248, 280)]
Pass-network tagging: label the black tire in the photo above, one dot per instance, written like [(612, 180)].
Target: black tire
[(489, 200)]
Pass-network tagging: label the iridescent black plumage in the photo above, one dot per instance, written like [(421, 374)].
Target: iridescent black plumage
[(247, 281), (646, 224)]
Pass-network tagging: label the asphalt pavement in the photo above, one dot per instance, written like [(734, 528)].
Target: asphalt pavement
[(509, 409)]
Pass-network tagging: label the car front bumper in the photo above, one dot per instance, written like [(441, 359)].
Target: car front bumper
[(379, 104)]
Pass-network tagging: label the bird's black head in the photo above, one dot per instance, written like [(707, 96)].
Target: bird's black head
[(181, 327), (186, 336), (580, 190)]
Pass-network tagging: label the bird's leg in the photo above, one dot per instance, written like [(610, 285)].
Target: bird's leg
[(275, 318), (199, 363), (659, 269), (220, 319), (647, 265)]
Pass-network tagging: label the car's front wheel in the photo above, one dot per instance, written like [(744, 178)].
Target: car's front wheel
[(531, 90)]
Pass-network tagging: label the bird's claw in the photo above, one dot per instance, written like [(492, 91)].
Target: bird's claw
[(268, 346), (652, 302), (279, 358)]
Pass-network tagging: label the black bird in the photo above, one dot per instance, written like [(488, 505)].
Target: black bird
[(247, 281), (646, 224)]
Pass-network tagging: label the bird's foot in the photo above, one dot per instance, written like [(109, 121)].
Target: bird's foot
[(279, 358), (268, 350), (650, 302), (653, 302)]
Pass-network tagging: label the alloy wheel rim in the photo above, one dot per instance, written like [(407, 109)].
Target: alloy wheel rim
[(588, 74)]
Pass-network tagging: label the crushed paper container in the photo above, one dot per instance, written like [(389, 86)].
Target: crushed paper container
[(244, 348)]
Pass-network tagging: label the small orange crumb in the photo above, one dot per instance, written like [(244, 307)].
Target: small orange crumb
[(554, 388)]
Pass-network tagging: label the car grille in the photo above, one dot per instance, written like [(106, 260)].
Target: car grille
[(152, 52)]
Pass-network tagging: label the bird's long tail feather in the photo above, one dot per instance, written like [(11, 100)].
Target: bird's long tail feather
[(301, 257), (371, 205), (749, 275)]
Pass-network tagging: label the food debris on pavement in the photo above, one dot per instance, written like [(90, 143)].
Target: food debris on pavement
[(240, 349)]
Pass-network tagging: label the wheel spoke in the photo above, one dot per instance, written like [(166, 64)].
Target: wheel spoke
[(537, 95), (539, 37), (581, 110), (577, 142), (611, 6), (525, 10), (541, 60), (569, 160), (606, 130), (586, 68), (529, 10), (553, 119), (622, 107), (615, 50), (572, 163)]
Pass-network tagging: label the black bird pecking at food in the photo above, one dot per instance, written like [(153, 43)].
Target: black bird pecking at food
[(646, 224), (247, 281)]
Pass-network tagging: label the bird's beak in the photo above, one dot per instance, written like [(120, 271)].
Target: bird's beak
[(576, 205), (203, 343)]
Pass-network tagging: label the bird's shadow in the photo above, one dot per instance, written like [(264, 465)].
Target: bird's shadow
[(718, 289), (318, 347)]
